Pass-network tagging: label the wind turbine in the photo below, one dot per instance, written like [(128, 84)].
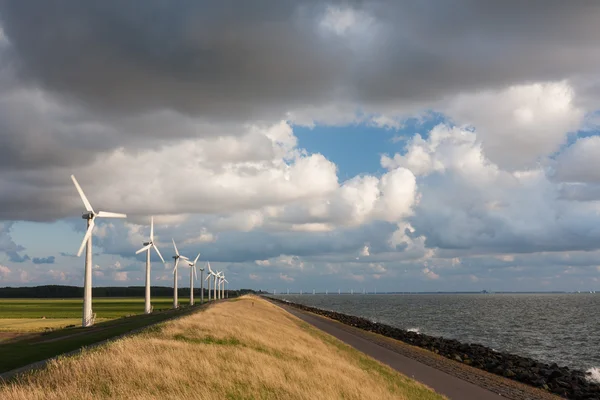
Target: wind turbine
[(212, 273), (223, 281), (208, 275), (177, 256), (90, 216), (220, 290), (193, 274), (201, 285), (226, 291), (147, 246)]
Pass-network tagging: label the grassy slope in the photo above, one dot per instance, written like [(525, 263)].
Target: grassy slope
[(245, 349), (105, 308)]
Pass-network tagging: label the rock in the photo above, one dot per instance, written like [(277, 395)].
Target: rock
[(509, 373)]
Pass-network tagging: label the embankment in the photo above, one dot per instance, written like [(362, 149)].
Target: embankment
[(245, 348), (563, 381)]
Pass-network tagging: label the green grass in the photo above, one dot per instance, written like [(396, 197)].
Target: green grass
[(32, 348), (104, 307)]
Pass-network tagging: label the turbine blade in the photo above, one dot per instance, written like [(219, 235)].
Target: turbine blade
[(88, 233), (195, 273), (207, 277), (176, 264), (143, 249), (175, 246), (86, 203), (106, 214), (197, 257), (211, 271), (185, 258), (225, 280), (152, 229), (158, 252)]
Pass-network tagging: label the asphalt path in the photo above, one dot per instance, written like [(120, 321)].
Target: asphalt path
[(441, 382)]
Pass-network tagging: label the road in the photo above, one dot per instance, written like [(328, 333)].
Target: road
[(441, 382)]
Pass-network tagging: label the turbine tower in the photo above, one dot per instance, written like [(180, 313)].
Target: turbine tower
[(226, 291), (147, 246), (208, 275), (201, 285), (220, 284), (193, 274), (212, 273), (90, 216), (177, 256)]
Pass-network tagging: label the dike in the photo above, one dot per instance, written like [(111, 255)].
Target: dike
[(569, 383)]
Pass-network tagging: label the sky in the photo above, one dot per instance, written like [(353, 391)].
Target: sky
[(396, 145)]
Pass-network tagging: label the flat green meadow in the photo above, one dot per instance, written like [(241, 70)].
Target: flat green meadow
[(104, 307), (34, 315), (25, 336)]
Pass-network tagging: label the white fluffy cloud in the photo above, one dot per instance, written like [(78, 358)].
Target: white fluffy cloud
[(521, 125)]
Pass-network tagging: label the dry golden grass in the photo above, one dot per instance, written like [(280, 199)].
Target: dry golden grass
[(243, 349)]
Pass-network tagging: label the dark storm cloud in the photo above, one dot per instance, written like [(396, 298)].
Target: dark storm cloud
[(243, 59)]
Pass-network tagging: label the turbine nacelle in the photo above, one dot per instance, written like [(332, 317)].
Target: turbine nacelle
[(88, 215)]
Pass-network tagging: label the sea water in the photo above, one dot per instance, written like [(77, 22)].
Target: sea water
[(560, 328)]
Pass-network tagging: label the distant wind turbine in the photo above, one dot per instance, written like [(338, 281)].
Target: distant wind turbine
[(147, 246), (177, 256), (224, 281), (201, 285), (215, 282), (90, 216), (208, 278), (193, 274)]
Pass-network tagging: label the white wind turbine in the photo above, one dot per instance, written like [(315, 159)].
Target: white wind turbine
[(147, 246), (223, 280), (177, 256), (216, 276), (193, 274), (208, 277), (201, 285), (90, 216)]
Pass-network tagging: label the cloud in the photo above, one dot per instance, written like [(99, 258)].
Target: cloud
[(44, 260), (520, 125), (120, 276), (429, 274), (16, 257), (286, 278), (4, 271), (580, 162), (219, 60)]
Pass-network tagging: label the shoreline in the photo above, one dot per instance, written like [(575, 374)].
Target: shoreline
[(562, 381)]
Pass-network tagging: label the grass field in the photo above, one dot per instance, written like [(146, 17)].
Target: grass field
[(104, 307), (37, 315), (18, 351), (246, 349)]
